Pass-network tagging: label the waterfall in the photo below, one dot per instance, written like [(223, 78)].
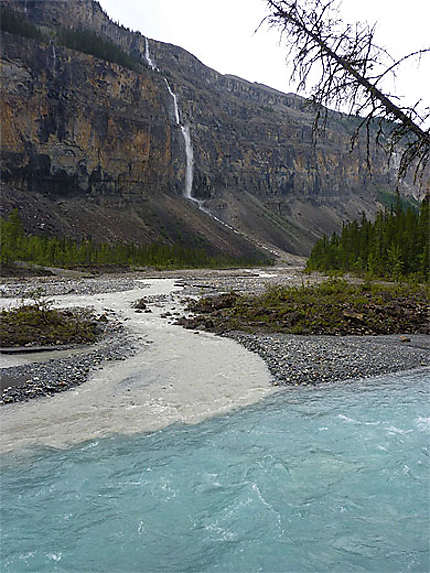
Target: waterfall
[(190, 163), (189, 156), (54, 59), (189, 153), (175, 102), (148, 57), (185, 130)]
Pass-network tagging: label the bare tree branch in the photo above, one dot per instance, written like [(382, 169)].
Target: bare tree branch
[(351, 66)]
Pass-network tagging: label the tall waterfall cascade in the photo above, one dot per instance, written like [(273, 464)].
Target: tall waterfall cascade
[(185, 130), (189, 154)]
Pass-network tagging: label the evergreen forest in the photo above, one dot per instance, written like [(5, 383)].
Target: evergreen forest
[(395, 245), (16, 245)]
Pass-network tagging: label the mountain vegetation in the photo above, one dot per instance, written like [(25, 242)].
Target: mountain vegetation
[(89, 42), (16, 245), (334, 307), (14, 23), (80, 39), (395, 245)]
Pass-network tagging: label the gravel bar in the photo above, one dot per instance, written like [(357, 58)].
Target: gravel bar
[(308, 360), (291, 359), (55, 286), (40, 379)]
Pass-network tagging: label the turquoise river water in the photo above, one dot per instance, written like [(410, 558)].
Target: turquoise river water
[(310, 479)]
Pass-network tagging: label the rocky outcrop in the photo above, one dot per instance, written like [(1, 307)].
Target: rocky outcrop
[(94, 147)]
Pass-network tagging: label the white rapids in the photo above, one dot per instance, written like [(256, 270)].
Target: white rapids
[(177, 376)]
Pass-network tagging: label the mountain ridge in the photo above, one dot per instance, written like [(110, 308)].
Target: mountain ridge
[(255, 165)]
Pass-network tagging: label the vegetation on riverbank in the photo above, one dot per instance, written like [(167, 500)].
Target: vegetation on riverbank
[(333, 307), (395, 245), (16, 245), (35, 323)]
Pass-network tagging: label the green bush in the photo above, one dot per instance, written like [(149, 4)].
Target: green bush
[(332, 307), (36, 323)]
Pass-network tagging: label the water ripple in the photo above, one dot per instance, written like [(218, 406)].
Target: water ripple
[(269, 488)]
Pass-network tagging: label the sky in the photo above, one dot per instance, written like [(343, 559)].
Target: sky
[(222, 35)]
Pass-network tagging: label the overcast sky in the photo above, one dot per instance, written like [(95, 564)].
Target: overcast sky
[(221, 33)]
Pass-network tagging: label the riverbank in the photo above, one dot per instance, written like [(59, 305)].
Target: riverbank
[(309, 360), (291, 359), (323, 333), (174, 375)]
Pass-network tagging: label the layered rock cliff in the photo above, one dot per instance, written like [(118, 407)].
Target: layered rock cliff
[(92, 148)]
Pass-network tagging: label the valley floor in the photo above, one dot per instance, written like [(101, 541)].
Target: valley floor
[(153, 372)]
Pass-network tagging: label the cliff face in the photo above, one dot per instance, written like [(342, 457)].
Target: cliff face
[(93, 148)]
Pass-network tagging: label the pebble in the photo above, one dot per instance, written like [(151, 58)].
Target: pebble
[(53, 287), (298, 360), (292, 359), (60, 374)]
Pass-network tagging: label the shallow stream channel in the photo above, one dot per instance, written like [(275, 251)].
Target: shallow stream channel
[(184, 458)]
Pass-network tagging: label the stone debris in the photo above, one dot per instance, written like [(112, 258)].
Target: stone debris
[(307, 360), (40, 379), (56, 287), (291, 359)]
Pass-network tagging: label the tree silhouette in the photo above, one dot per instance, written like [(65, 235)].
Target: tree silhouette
[(350, 67)]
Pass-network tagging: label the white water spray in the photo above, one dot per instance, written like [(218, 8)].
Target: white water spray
[(190, 164), (175, 102), (185, 130), (54, 59), (148, 57)]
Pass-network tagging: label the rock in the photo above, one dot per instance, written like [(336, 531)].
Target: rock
[(137, 146)]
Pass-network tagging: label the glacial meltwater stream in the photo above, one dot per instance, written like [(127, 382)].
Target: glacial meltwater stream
[(309, 479)]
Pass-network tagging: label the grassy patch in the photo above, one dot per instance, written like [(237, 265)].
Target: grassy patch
[(37, 324), (332, 307)]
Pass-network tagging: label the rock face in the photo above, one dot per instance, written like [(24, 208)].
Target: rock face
[(93, 148)]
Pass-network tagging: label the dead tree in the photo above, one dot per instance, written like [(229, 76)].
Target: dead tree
[(350, 67)]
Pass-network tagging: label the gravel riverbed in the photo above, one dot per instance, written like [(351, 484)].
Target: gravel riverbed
[(55, 286), (308, 360), (291, 359), (38, 379), (46, 378)]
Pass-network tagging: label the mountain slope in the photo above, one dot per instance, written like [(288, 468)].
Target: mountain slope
[(93, 148)]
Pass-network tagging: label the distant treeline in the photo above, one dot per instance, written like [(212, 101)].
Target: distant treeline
[(82, 39), (396, 244), (16, 245)]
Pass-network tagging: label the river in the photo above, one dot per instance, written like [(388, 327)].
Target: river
[(213, 475)]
